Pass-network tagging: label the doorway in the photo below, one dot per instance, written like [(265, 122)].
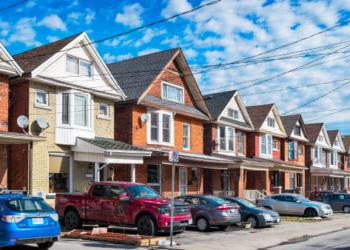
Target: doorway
[(183, 181)]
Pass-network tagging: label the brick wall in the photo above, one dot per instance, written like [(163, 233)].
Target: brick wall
[(276, 154), (244, 141), (252, 144), (210, 136), (122, 172), (123, 124), (4, 102)]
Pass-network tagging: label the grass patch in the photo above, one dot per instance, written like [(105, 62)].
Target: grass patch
[(301, 219)]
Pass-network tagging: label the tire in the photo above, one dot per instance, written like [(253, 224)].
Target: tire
[(254, 222), (310, 213), (223, 227), (203, 224), (72, 220), (346, 209), (146, 225), (45, 245)]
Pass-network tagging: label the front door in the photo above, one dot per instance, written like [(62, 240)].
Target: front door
[(279, 203), (291, 205), (95, 203), (154, 177), (116, 208), (183, 181)]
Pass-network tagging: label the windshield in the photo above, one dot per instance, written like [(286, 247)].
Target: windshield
[(302, 199), (217, 200), (28, 206), (247, 203), (142, 192)]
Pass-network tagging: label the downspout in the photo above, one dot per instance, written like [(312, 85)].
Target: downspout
[(30, 168)]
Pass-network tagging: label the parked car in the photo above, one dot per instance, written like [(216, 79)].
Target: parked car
[(212, 211), (122, 203), (318, 194), (26, 220), (294, 204), (257, 216), (338, 202)]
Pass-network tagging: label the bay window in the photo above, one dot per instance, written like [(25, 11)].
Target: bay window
[(230, 139), (226, 139), (166, 128), (186, 136), (154, 127), (222, 138), (172, 92), (65, 107), (266, 145), (80, 110), (240, 142), (293, 150), (161, 129)]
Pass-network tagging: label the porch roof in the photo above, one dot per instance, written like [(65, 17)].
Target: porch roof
[(19, 138), (283, 165), (328, 172), (246, 163)]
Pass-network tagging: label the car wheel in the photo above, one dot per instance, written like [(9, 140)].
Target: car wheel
[(223, 227), (310, 213), (203, 224), (253, 221), (45, 245), (346, 209), (72, 220), (147, 226)]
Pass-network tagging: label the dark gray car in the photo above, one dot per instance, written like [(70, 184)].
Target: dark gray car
[(256, 215), (338, 202), (210, 211)]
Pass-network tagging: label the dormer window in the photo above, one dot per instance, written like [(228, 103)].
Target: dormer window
[(336, 143), (78, 67), (297, 130), (320, 138), (271, 122), (172, 92), (233, 113)]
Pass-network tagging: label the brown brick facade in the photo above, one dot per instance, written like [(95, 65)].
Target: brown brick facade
[(4, 120)]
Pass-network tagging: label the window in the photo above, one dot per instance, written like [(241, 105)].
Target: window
[(290, 150), (320, 138), (28, 206), (99, 190), (80, 110), (293, 150), (278, 198), (266, 145), (153, 177), (226, 138), (233, 113), (275, 145), (172, 92), (186, 136), (154, 127), (103, 109), (334, 158), (336, 143), (271, 122), (316, 155), (296, 150), (300, 150), (42, 97), (316, 182), (292, 180), (222, 138), (225, 180), (288, 198), (240, 142), (230, 139), (297, 130), (65, 107), (166, 128), (116, 191), (194, 173), (78, 67)]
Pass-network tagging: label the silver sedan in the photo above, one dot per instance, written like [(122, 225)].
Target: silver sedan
[(294, 204)]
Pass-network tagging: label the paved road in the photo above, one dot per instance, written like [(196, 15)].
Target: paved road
[(338, 240)]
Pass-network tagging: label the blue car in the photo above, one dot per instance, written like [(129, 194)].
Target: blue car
[(25, 220)]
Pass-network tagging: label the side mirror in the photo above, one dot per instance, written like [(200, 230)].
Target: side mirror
[(298, 202), (123, 197)]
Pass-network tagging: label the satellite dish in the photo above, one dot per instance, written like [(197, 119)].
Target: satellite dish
[(144, 118), (22, 121), (41, 122)]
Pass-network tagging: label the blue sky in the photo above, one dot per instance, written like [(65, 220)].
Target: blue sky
[(221, 33)]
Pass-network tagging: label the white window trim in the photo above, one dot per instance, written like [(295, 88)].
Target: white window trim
[(233, 113), (40, 105), (267, 155), (70, 73), (160, 128), (70, 176), (335, 158), (227, 140), (275, 149), (272, 119), (189, 136), (175, 86), (104, 117), (182, 169), (159, 184)]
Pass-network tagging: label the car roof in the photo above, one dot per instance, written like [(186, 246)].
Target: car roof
[(284, 194), (119, 183), (15, 196)]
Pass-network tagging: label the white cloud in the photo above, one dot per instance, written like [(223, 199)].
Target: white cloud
[(147, 51), (53, 22), (149, 34), (190, 53), (127, 43), (4, 32), (175, 7), (52, 38), (124, 57), (113, 42), (75, 3), (174, 42), (109, 58), (131, 16), (23, 32), (74, 16), (90, 16), (31, 4), (5, 28)]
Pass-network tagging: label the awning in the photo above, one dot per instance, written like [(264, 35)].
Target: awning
[(283, 166), (19, 138), (108, 151), (329, 172)]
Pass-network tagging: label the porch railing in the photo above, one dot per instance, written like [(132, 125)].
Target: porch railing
[(221, 193), (288, 191), (253, 194)]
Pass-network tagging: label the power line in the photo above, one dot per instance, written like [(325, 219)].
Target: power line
[(329, 114), (13, 5)]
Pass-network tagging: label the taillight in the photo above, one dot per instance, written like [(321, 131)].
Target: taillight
[(13, 218), (54, 217), (222, 207), (237, 208), (256, 201)]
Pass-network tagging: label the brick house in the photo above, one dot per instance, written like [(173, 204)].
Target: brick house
[(346, 142), (267, 143), (161, 88), (67, 88), (225, 136), (325, 159)]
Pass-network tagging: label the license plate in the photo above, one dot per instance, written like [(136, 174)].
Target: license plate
[(233, 210), (278, 219), (38, 221)]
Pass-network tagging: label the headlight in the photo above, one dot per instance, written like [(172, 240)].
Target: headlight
[(265, 215), (165, 209)]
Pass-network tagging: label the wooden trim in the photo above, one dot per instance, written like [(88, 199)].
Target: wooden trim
[(174, 72)]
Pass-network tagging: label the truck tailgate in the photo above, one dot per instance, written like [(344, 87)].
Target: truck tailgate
[(75, 201)]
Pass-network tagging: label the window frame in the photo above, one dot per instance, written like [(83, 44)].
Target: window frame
[(99, 116), (238, 143), (79, 59), (271, 120), (227, 139), (42, 105), (188, 136), (159, 141), (273, 145), (336, 143), (295, 130), (300, 152), (320, 137), (234, 113), (266, 145), (182, 93)]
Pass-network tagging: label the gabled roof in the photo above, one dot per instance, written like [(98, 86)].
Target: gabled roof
[(346, 142), (31, 59), (217, 102), (136, 74), (313, 131), (289, 122), (4, 54), (259, 113), (332, 134)]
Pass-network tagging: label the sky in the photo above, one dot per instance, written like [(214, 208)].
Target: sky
[(228, 31)]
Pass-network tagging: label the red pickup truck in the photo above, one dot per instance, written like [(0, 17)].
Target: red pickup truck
[(122, 204)]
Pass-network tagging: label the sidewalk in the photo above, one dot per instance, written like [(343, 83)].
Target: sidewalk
[(247, 240)]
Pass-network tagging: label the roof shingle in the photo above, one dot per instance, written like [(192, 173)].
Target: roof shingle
[(217, 102), (289, 122), (313, 131), (332, 134), (108, 144), (258, 114)]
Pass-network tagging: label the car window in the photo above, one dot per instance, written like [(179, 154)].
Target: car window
[(193, 200), (326, 198), (278, 198), (315, 194), (247, 203), (288, 198), (203, 201), (99, 190), (217, 200), (142, 192), (181, 198), (116, 191), (28, 206), (341, 197)]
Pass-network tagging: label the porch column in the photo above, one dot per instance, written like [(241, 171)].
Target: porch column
[(277, 178), (239, 182), (133, 173), (265, 181), (97, 173)]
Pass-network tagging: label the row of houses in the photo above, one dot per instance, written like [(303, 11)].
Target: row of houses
[(120, 121)]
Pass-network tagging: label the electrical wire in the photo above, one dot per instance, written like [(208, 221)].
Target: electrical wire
[(13, 5)]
